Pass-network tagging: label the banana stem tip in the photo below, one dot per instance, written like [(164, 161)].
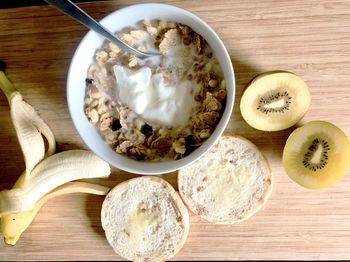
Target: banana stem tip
[(2, 65)]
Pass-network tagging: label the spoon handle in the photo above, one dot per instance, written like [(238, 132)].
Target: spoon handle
[(72, 10)]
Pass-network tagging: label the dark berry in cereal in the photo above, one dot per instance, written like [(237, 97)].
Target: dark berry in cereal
[(116, 125), (147, 130), (88, 81), (190, 144)]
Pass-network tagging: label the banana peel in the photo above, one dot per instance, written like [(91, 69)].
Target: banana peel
[(28, 125), (29, 129), (14, 224), (45, 177)]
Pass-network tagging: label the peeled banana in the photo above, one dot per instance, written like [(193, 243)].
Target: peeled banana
[(14, 224), (46, 175), (52, 172)]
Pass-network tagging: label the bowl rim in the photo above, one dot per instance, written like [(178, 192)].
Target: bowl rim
[(139, 167)]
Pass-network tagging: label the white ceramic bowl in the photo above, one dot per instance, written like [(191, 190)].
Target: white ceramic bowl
[(83, 57)]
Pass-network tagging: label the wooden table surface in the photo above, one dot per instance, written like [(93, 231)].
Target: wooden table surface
[(310, 38)]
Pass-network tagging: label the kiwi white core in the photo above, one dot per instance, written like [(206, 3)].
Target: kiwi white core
[(316, 154), (316, 158), (275, 102)]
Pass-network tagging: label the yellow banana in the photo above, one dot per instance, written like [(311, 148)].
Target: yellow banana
[(43, 178), (14, 224)]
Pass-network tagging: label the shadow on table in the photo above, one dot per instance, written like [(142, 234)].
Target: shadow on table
[(93, 211)]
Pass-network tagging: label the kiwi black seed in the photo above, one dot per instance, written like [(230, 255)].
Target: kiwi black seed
[(310, 152), (272, 98)]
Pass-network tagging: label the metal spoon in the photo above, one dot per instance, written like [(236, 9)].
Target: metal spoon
[(69, 8)]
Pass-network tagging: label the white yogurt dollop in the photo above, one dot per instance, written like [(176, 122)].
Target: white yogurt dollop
[(149, 97)]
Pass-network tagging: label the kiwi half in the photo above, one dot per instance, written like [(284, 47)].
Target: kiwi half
[(316, 155), (275, 101)]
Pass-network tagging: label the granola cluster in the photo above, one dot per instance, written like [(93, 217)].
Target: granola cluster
[(126, 131)]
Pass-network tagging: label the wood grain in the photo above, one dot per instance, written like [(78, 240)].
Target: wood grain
[(310, 38)]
